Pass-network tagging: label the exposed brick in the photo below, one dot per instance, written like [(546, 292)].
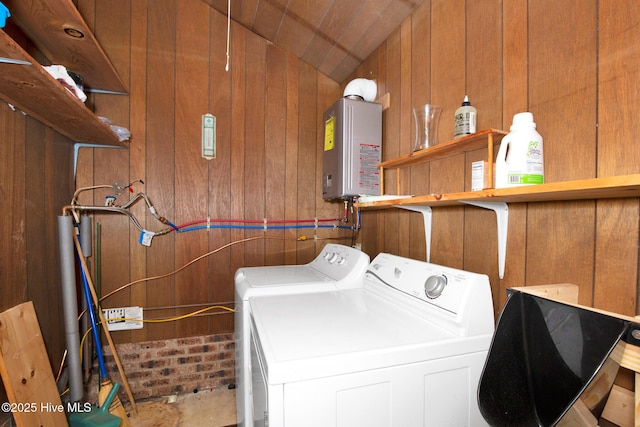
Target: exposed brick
[(228, 363), (200, 349), (153, 344), (125, 357), (167, 372), (189, 341), (156, 363), (191, 359), (219, 338), (187, 378), (156, 382), (168, 390), (170, 352), (160, 368), (137, 375), (146, 355), (205, 367), (218, 374)]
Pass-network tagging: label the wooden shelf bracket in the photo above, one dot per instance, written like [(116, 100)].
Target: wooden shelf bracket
[(501, 210)]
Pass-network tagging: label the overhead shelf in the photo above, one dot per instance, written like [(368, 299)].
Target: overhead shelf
[(497, 200), (31, 89), (613, 187), (61, 34), (486, 138)]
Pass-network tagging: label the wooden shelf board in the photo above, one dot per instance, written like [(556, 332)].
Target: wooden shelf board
[(31, 89), (475, 141), (45, 22), (615, 187)]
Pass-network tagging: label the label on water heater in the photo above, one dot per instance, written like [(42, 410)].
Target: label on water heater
[(369, 172), (329, 133)]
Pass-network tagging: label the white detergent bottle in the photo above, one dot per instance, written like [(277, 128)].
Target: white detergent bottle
[(520, 158)]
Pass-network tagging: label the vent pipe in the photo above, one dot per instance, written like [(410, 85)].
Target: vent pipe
[(363, 89)]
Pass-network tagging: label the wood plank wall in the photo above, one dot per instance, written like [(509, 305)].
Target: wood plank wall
[(35, 182), (578, 72), (268, 165), (576, 67)]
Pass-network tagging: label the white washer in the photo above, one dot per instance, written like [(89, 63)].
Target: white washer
[(406, 349), (336, 267)]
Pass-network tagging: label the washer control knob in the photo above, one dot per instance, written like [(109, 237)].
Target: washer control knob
[(327, 255), (434, 285), (334, 258)]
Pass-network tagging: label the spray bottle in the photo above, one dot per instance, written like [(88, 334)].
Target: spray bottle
[(465, 119), (520, 158)]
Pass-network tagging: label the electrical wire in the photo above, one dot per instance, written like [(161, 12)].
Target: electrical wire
[(315, 223), (162, 276), (74, 199), (83, 341), (173, 319), (266, 224)]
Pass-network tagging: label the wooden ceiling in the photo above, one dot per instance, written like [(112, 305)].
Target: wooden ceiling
[(333, 36)]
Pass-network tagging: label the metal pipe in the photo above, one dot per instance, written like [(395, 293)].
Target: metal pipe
[(69, 302), (85, 235)]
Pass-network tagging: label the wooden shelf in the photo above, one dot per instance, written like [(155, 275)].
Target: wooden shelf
[(486, 138), (614, 187), (61, 34), (32, 89), (497, 200)]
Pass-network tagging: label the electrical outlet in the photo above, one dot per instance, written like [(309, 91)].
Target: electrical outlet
[(123, 318)]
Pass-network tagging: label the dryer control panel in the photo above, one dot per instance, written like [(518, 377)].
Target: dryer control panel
[(341, 262)]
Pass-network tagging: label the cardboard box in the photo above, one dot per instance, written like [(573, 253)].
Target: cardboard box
[(480, 176)]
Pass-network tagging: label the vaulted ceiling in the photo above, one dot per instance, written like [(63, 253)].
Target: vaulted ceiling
[(333, 36)]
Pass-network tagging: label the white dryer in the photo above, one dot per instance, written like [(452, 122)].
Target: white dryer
[(405, 350), (336, 267)]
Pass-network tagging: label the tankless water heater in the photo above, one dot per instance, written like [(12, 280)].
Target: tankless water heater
[(352, 149)]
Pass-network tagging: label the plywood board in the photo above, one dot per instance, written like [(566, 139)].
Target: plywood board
[(25, 370), (619, 407)]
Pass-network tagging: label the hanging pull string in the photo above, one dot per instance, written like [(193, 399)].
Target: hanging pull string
[(226, 67)]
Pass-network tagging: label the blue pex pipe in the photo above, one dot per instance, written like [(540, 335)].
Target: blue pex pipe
[(94, 325)]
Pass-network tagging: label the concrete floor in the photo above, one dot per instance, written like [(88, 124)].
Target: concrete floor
[(211, 408)]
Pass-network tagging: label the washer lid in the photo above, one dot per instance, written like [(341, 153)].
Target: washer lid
[(305, 336), (280, 275)]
